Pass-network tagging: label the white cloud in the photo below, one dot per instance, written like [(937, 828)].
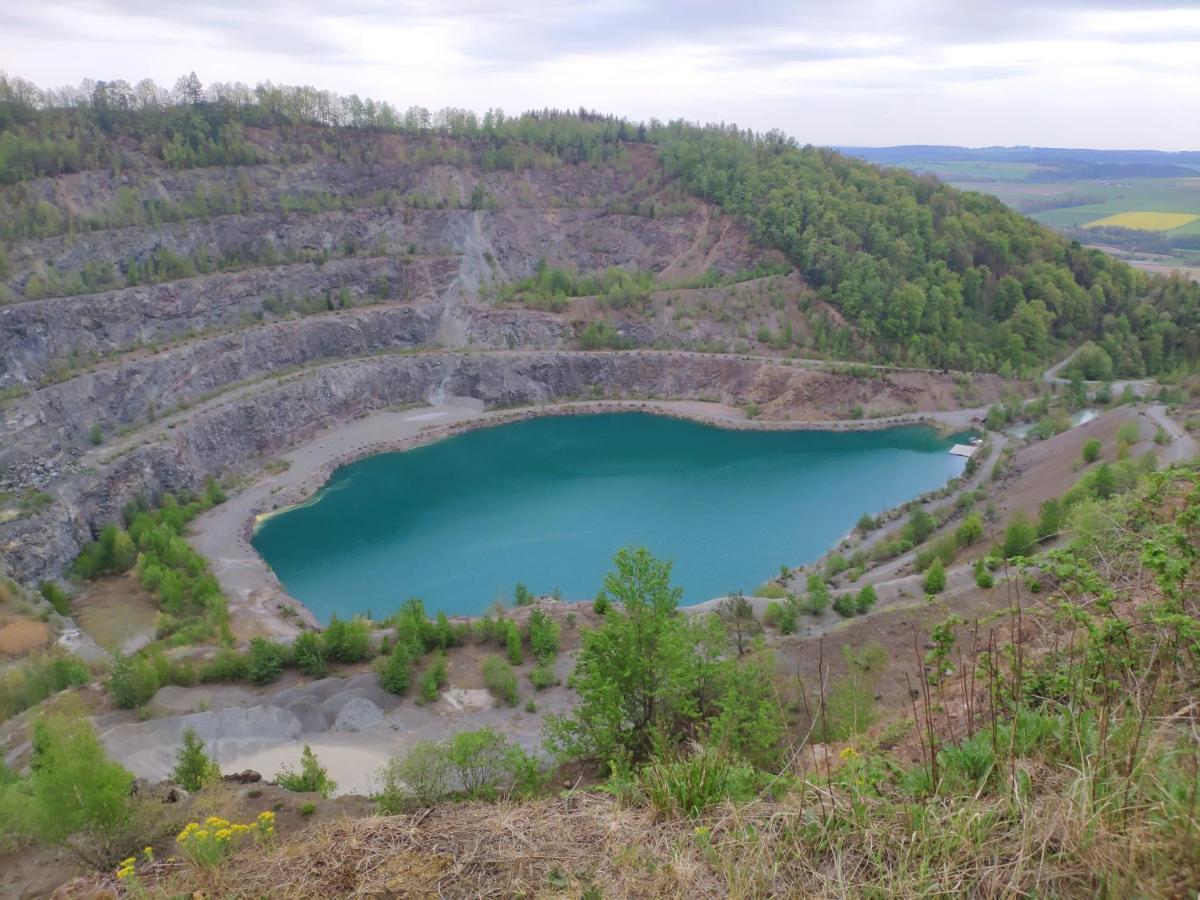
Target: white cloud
[(1101, 73)]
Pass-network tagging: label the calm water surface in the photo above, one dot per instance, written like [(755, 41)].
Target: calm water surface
[(549, 501)]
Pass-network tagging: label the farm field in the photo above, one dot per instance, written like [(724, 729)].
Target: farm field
[(1145, 221)]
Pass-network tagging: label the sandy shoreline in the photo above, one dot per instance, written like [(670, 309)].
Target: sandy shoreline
[(257, 599)]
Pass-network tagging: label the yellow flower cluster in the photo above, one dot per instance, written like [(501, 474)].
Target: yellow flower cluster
[(128, 865)]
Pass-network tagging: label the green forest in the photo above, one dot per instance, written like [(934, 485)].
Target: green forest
[(921, 273)]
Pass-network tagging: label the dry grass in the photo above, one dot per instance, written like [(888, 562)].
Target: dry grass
[(558, 846)]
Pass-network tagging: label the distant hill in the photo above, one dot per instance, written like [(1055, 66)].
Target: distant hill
[(1055, 163)]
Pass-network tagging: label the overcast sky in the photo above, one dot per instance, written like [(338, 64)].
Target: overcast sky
[(1095, 73)]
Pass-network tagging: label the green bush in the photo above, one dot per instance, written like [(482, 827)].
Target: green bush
[(689, 785), (499, 678), (543, 636), (265, 660), (935, 578), (843, 605), (970, 531), (132, 681), (308, 654), (770, 590), (312, 777), (600, 604), (226, 665), (512, 643), (521, 595), (543, 676), (485, 763), (434, 679), (73, 790), (396, 671), (194, 768), (1019, 537), (865, 599), (1091, 450), (347, 641), (419, 778), (56, 597)]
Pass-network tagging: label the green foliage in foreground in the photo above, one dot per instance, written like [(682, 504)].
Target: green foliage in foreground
[(194, 768), (312, 777), (472, 764), (647, 676)]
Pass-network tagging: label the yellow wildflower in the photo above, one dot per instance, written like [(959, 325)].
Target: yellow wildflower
[(124, 873), (848, 754), (224, 834), (202, 835)]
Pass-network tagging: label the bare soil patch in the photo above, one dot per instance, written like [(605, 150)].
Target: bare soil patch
[(21, 637), (1046, 469), (117, 613)]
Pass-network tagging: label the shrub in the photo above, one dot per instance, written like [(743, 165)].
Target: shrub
[(308, 809), (193, 766), (73, 787), (771, 590), (835, 564), (512, 643), (935, 578), (691, 784), (521, 595), (434, 679), (919, 526), (865, 599), (1049, 519), (1091, 450), (772, 614), (787, 615), (348, 641), (970, 531), (56, 597), (226, 665), (843, 605), (132, 681), (1019, 537), (866, 523), (543, 676), (265, 660), (983, 578), (308, 655), (500, 680), (543, 636), (484, 761), (419, 778), (600, 604), (312, 777), (396, 672), (818, 595)]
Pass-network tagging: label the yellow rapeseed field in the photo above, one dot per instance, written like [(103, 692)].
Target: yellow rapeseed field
[(1144, 221)]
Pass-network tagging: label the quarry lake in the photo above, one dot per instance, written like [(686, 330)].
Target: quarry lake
[(548, 501)]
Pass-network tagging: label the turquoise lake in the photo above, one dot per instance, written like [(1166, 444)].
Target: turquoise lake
[(548, 502)]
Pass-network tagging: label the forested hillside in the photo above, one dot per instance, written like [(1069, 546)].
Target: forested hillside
[(920, 273)]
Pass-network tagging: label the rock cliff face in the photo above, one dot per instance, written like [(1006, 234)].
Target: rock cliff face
[(235, 434), (288, 299)]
